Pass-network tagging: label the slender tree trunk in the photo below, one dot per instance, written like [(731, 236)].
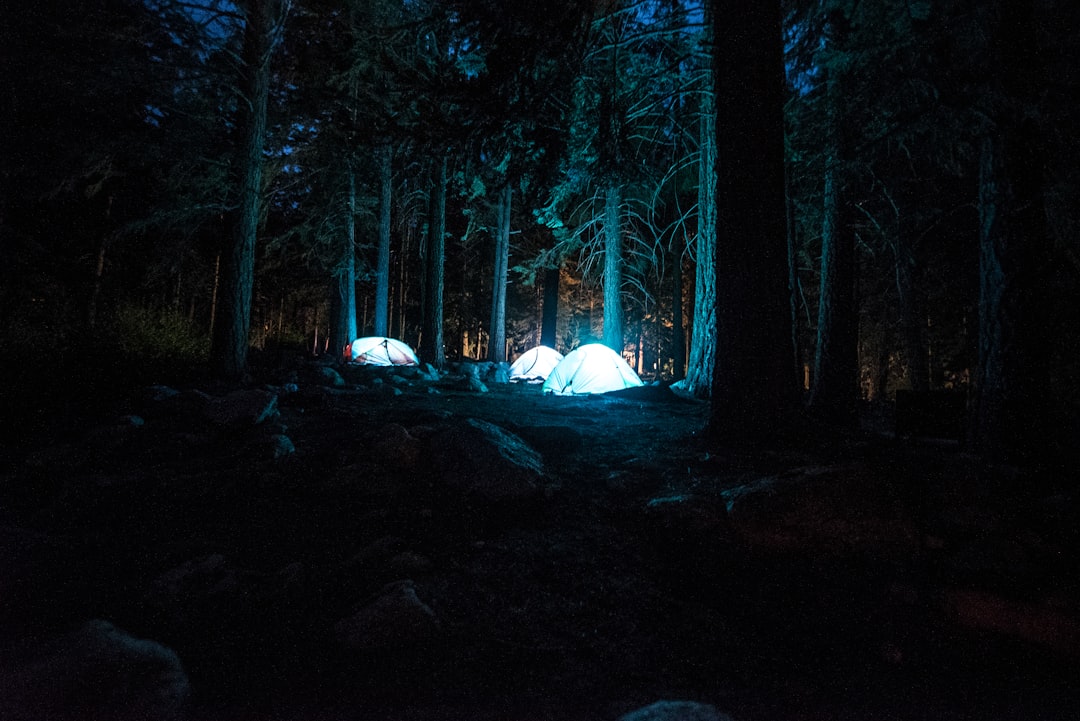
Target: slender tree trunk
[(699, 370), (95, 293), (753, 385), (613, 310), (549, 332), (214, 293), (431, 347), (343, 329), (229, 347), (382, 264), (912, 317), (678, 330), (835, 377), (497, 335)]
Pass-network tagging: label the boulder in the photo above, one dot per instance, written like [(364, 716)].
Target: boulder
[(395, 619), (676, 711), (96, 673), (486, 465), (241, 409)]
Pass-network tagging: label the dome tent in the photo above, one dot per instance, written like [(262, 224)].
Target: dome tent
[(535, 364), (591, 368), (378, 351)]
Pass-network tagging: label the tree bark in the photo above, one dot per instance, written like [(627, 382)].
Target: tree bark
[(232, 328), (343, 296), (678, 330), (382, 264), (911, 311), (699, 369), (1011, 414), (835, 376), (497, 332), (431, 346), (753, 385), (613, 310)]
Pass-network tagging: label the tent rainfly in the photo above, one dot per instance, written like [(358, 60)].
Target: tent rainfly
[(591, 368), (535, 364), (377, 351)]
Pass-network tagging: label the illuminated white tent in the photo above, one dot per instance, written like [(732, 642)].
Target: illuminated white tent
[(377, 351), (535, 364), (592, 368)]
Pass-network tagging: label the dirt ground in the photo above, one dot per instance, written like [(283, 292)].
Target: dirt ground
[(920, 585)]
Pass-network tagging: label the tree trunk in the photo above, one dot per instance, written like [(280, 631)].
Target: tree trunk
[(699, 369), (912, 317), (613, 311), (678, 331), (1011, 413), (382, 263), (549, 332), (232, 328), (343, 296), (835, 384), (753, 385), (497, 334), (431, 347)]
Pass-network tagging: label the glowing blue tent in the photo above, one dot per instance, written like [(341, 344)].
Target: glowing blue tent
[(591, 368), (535, 364), (378, 351)]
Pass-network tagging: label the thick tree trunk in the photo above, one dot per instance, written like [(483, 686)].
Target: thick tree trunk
[(431, 345), (613, 310), (549, 332), (753, 385), (1011, 415), (382, 263), (343, 295), (699, 369), (497, 333), (232, 328), (835, 377)]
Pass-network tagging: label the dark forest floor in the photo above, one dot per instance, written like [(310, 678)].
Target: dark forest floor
[(841, 576)]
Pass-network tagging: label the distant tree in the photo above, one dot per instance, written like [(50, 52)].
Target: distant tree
[(432, 348), (497, 335), (753, 383), (382, 265)]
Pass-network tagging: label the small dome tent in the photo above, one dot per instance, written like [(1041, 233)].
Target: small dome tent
[(591, 368), (378, 351), (535, 364)]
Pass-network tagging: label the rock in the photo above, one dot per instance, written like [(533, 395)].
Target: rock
[(394, 444), (395, 619), (97, 672), (485, 464), (500, 373), (472, 380), (827, 508), (156, 394), (676, 711), (241, 409), (330, 377), (280, 446), (186, 592)]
